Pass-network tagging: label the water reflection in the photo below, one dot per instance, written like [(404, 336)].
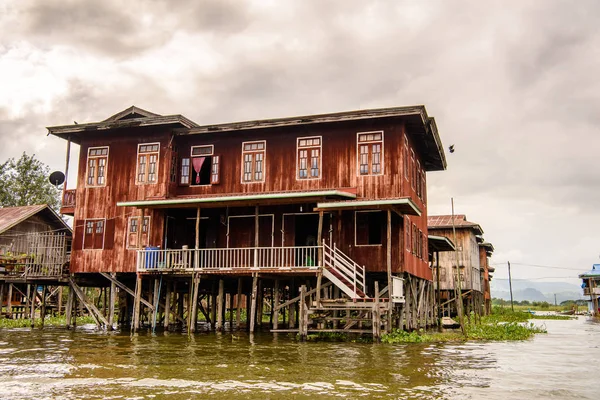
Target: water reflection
[(55, 363)]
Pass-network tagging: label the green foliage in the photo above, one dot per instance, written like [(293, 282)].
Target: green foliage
[(48, 321), (554, 316), (399, 336), (24, 182)]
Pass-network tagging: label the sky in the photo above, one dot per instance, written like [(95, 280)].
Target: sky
[(512, 84)]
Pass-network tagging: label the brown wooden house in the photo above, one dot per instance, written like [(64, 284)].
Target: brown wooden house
[(471, 255), (34, 250), (259, 208)]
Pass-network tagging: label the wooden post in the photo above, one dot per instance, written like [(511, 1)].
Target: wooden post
[(213, 306), (136, 305), (389, 271), (229, 305), (27, 302), (238, 314), (376, 315), (256, 236), (196, 283), (155, 302), (60, 302), (111, 303), (302, 328), (220, 301), (259, 304), (253, 300), (275, 310), (167, 307), (69, 310), (1, 297), (43, 306), (32, 305), (9, 301), (292, 307)]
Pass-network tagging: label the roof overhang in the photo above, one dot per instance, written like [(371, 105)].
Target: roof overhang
[(403, 206), (76, 132), (593, 273), (419, 126), (240, 200), (440, 243)]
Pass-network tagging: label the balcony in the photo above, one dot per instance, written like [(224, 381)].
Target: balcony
[(68, 202), (588, 292), (229, 260)]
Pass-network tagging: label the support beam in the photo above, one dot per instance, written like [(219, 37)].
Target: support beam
[(69, 310), (196, 289), (220, 301), (9, 301), (126, 289), (275, 310), (253, 301), (111, 303), (155, 300), (94, 312), (136, 304), (302, 315), (167, 307), (238, 300), (388, 327)]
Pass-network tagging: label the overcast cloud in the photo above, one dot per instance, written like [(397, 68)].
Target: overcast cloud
[(513, 84)]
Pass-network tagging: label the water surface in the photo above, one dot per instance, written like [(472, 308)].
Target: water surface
[(59, 364)]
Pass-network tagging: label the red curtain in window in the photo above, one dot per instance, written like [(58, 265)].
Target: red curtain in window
[(197, 164)]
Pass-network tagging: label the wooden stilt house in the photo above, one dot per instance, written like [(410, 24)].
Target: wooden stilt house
[(321, 215)]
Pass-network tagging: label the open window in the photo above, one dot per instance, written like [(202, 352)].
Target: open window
[(202, 168), (368, 228)]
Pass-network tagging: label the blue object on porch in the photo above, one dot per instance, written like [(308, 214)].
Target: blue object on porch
[(151, 257)]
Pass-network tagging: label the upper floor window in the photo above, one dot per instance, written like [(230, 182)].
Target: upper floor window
[(418, 177), (253, 161), (174, 165), (202, 168), (147, 166), (134, 236), (96, 166), (309, 157), (413, 167), (93, 237), (370, 153)]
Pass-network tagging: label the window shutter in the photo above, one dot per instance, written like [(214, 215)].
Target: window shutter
[(109, 234), (78, 231), (215, 173)]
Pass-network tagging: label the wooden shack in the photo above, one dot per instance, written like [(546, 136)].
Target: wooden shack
[(485, 252), (34, 251), (460, 267), (591, 287), (315, 214)]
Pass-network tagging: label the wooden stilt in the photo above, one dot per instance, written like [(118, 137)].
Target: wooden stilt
[(248, 310), (389, 268), (302, 315), (69, 310), (43, 306), (155, 302), (9, 295), (292, 307), (2, 297), (60, 302), (376, 315), (275, 309), (194, 318), (213, 307), (32, 305), (259, 304), (229, 306), (167, 306), (253, 301), (238, 300), (111, 303), (220, 301), (136, 305)]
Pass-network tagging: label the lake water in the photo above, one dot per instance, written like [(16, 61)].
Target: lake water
[(55, 363)]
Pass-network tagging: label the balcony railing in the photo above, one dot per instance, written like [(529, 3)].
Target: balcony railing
[(231, 259), (587, 291), (68, 200)]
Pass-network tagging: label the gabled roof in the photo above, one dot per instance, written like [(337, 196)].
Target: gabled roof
[(131, 112), (131, 117), (12, 216), (445, 222), (593, 273)]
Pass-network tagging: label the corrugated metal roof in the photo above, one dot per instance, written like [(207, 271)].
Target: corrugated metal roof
[(11, 216), (445, 222)]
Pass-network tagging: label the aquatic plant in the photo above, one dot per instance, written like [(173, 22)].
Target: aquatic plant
[(48, 321)]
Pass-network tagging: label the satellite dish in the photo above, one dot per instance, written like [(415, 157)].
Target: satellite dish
[(57, 178)]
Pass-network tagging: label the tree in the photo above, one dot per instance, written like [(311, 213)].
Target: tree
[(25, 182)]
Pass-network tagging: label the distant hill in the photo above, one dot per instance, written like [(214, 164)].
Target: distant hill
[(536, 291)]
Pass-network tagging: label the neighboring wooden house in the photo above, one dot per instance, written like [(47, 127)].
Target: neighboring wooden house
[(335, 203), (591, 287), (467, 255), (34, 249)]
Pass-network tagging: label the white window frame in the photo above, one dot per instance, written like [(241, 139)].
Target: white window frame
[(97, 157), (264, 162), (355, 230), (147, 172), (309, 177), (371, 142), (128, 227), (191, 166), (85, 221)]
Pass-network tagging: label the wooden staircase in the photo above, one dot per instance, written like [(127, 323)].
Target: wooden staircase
[(344, 272)]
